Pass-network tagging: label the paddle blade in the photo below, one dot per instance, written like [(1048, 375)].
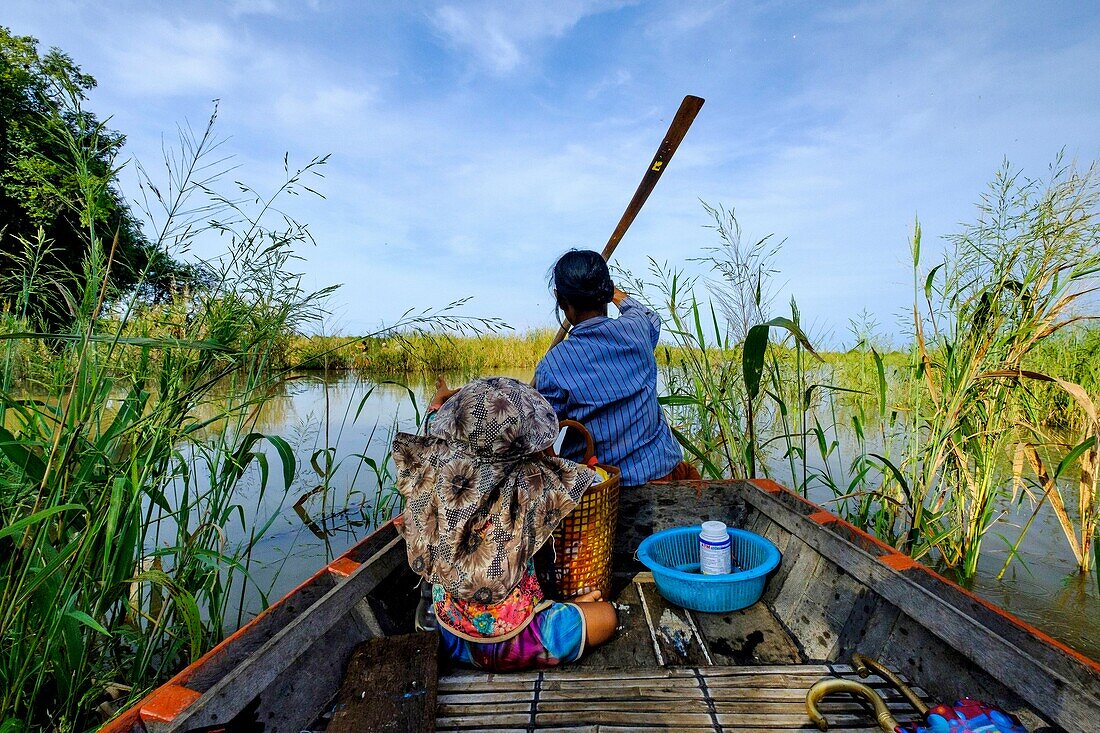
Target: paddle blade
[(676, 131), (689, 108)]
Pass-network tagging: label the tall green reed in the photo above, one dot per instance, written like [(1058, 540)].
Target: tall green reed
[(934, 436), (1013, 279), (716, 366), (118, 555), (135, 483)]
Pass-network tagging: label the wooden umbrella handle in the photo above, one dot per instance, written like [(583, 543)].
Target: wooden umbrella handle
[(676, 131)]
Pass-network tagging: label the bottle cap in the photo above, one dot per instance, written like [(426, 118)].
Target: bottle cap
[(714, 530)]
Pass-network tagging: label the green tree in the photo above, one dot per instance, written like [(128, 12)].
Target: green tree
[(41, 119)]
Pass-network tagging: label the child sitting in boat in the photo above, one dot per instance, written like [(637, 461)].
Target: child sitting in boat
[(482, 495), (605, 374)]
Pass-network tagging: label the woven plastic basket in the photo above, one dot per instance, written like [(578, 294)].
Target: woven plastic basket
[(583, 541), (673, 556)]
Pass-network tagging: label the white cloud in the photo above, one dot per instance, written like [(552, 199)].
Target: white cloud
[(255, 7), (693, 15), (484, 36), (500, 36), (162, 57), (619, 78), (274, 8), (330, 107)]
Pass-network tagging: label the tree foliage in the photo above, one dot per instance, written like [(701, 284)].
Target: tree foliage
[(42, 176)]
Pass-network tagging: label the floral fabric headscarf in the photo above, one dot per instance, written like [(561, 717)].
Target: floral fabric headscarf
[(481, 496)]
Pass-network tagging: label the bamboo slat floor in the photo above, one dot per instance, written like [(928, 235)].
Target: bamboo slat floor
[(690, 699)]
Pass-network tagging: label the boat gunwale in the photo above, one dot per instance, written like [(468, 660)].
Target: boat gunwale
[(1053, 653), (177, 695), (900, 562), (1066, 668)]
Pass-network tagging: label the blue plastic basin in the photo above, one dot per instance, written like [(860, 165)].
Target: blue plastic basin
[(673, 557)]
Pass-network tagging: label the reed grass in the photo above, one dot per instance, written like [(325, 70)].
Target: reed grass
[(999, 362), (133, 475), (404, 352), (1016, 277), (119, 484)]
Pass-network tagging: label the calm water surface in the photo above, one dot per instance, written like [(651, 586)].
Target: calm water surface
[(315, 523)]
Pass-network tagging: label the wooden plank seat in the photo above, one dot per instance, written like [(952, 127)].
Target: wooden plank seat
[(692, 699)]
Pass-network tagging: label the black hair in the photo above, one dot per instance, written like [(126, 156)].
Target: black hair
[(581, 279)]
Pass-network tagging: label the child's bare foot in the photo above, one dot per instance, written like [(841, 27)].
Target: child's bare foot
[(588, 597)]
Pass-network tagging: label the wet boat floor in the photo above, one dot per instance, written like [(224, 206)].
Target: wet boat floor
[(666, 669), (655, 633)]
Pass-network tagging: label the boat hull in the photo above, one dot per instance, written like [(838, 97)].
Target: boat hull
[(837, 591)]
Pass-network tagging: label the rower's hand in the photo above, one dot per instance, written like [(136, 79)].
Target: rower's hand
[(617, 296), (442, 394)]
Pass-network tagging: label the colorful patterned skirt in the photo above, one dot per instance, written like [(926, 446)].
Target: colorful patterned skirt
[(554, 635)]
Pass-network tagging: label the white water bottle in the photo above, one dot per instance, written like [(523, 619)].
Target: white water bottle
[(714, 549)]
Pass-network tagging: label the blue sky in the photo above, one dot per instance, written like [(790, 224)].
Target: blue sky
[(473, 142)]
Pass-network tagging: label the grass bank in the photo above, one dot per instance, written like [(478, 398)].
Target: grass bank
[(403, 353)]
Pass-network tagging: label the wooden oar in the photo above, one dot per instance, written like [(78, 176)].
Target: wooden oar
[(676, 131)]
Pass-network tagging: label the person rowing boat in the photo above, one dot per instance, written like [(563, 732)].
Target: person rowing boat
[(604, 375)]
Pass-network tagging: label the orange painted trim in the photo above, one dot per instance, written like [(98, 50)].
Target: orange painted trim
[(166, 703), (864, 534), (130, 720), (824, 517), (766, 484), (343, 566), (772, 487), (901, 562)]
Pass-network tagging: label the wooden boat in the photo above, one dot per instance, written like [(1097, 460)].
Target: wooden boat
[(837, 591)]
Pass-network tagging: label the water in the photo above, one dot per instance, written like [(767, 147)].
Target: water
[(314, 525)]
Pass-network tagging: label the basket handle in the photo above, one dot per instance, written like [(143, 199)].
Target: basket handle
[(589, 443)]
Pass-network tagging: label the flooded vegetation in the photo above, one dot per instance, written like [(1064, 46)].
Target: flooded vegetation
[(1041, 583), (178, 448)]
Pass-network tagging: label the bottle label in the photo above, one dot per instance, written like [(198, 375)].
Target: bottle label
[(714, 557)]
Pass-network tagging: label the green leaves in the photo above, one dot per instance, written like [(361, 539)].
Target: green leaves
[(752, 359), (184, 603), (20, 453), (234, 465), (709, 467), (286, 456), (1074, 455), (91, 623), (756, 346), (19, 525), (880, 370)]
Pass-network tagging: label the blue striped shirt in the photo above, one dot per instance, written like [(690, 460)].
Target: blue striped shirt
[(605, 377)]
